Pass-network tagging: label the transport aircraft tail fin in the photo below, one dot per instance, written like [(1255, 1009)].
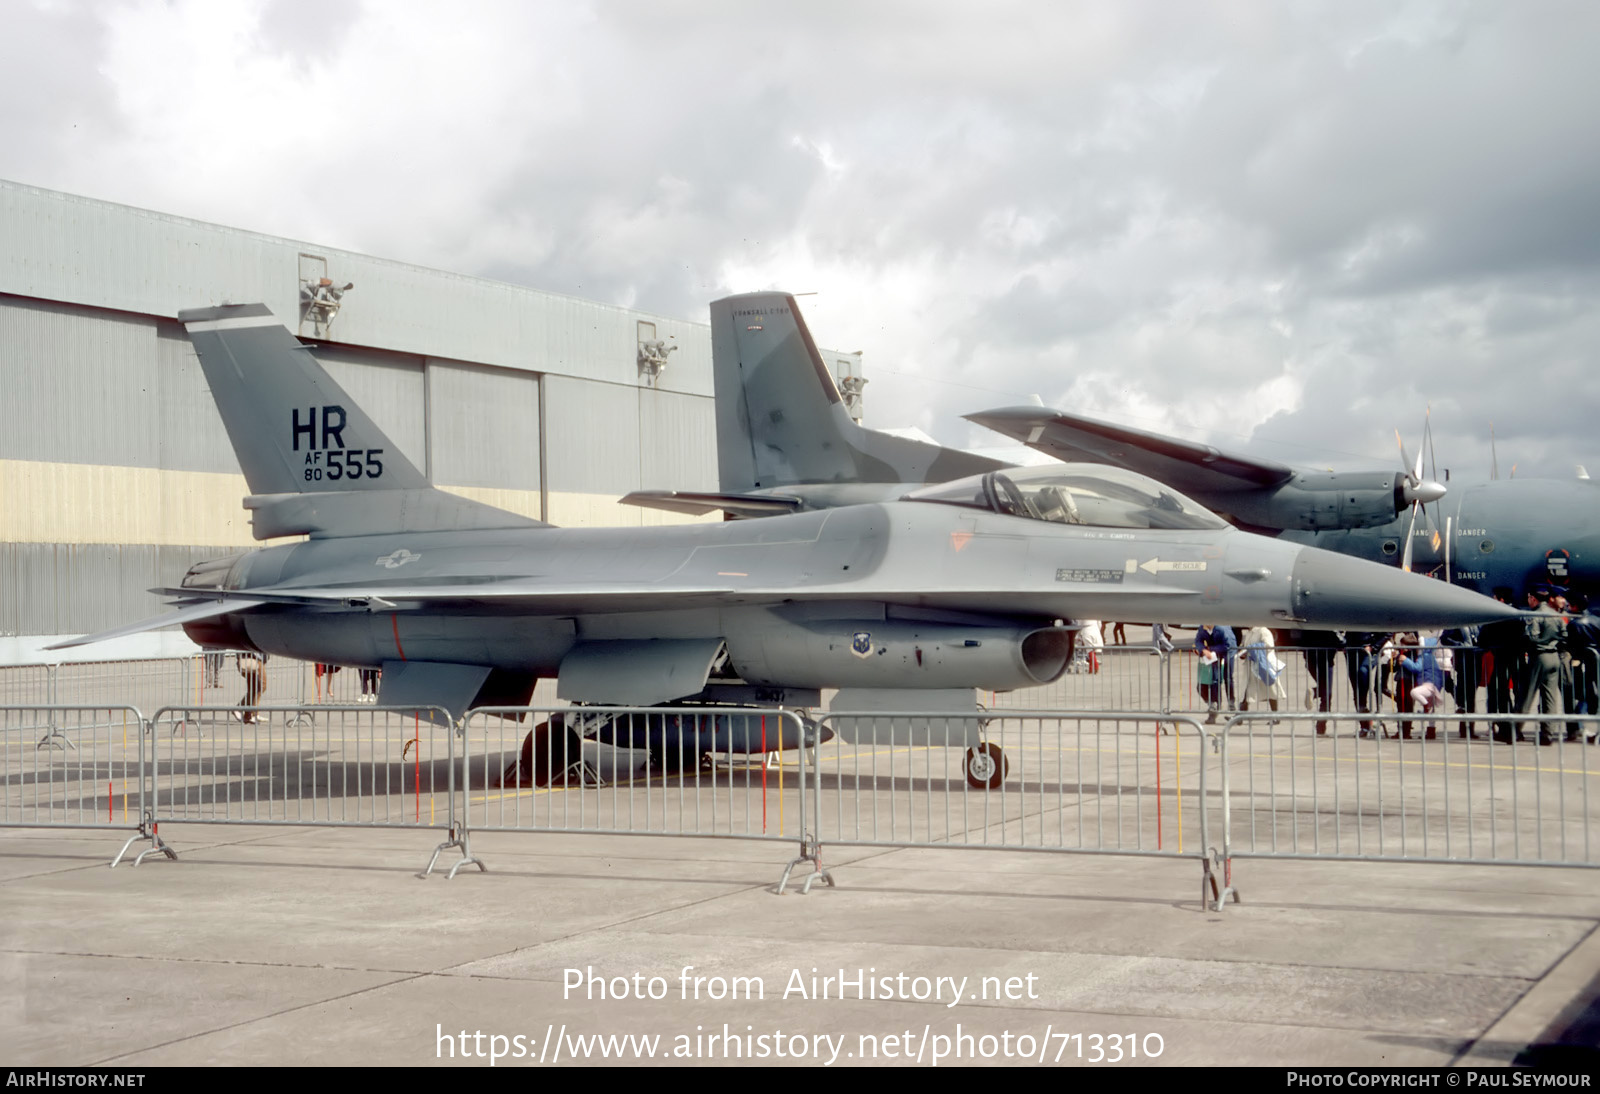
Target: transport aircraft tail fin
[(781, 420), (315, 463)]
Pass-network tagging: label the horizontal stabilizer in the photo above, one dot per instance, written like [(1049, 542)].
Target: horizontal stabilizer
[(697, 504), (369, 513), (194, 613)]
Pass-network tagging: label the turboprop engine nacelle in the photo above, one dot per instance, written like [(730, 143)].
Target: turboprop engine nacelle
[(1314, 501), (881, 654)]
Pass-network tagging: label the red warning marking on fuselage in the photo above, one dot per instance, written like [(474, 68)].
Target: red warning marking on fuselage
[(959, 540), (395, 621)]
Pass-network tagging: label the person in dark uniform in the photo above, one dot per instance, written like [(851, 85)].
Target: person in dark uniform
[(1361, 662), (1543, 690), (1321, 652), (1502, 644), (1216, 646), (1466, 672), (1583, 640)]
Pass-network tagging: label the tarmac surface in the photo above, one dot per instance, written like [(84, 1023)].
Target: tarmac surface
[(308, 945), (323, 946)]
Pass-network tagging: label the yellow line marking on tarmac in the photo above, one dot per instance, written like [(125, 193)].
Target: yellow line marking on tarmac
[(1528, 769), (649, 780)]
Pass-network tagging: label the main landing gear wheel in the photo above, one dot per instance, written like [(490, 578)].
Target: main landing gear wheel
[(986, 766)]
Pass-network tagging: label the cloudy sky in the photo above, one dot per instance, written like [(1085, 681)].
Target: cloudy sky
[(1281, 227)]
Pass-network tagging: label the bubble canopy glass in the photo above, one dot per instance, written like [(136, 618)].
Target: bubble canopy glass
[(1087, 494)]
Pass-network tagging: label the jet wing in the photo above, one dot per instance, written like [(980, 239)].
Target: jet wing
[(551, 599), (541, 598), (193, 613), (1185, 465), (697, 504)]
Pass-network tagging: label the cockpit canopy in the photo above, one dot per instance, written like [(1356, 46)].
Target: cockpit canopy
[(1087, 494)]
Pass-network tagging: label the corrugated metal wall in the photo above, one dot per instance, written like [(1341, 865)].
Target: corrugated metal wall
[(75, 588), (80, 387), (591, 436), (483, 426), (188, 430), (388, 386), (77, 250), (677, 442)]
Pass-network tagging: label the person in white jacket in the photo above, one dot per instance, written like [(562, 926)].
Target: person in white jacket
[(1263, 671), (1090, 643)]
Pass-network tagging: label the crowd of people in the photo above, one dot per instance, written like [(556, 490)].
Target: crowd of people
[(1548, 664), (1544, 665)]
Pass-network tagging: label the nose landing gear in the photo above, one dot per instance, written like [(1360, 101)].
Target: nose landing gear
[(987, 766)]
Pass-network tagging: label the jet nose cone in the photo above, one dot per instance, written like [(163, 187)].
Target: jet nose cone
[(1332, 590), (1426, 492)]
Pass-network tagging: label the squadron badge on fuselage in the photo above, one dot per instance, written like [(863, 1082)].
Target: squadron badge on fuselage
[(861, 644)]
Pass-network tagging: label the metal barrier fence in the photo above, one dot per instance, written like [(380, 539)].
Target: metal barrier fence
[(617, 770), (1117, 783), (369, 767), (74, 767), (201, 679), (1265, 784), (1434, 791)]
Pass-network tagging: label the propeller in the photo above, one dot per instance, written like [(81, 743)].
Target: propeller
[(1417, 490)]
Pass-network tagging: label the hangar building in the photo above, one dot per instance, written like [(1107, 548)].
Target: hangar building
[(116, 474)]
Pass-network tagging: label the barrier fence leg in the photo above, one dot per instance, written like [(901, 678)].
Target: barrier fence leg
[(460, 837), (810, 846), (1216, 884), (53, 737), (1216, 881), (148, 829)]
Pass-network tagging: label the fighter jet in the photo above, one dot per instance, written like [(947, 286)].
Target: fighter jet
[(969, 584), (785, 442)]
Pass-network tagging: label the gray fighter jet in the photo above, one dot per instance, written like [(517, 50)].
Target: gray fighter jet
[(969, 584)]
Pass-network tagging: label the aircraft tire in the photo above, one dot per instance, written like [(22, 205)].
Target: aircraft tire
[(987, 766)]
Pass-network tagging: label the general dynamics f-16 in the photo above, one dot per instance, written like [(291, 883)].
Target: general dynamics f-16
[(1507, 533), (970, 584)]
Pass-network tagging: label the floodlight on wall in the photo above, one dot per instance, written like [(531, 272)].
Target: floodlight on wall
[(320, 300), (652, 352)]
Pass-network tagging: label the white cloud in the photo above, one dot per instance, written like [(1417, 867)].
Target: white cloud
[(1254, 224)]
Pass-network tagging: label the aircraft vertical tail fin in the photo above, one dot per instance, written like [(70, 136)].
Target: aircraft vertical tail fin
[(315, 463), (781, 420), (293, 428)]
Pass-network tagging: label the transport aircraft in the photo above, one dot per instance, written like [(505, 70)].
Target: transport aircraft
[(907, 602)]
